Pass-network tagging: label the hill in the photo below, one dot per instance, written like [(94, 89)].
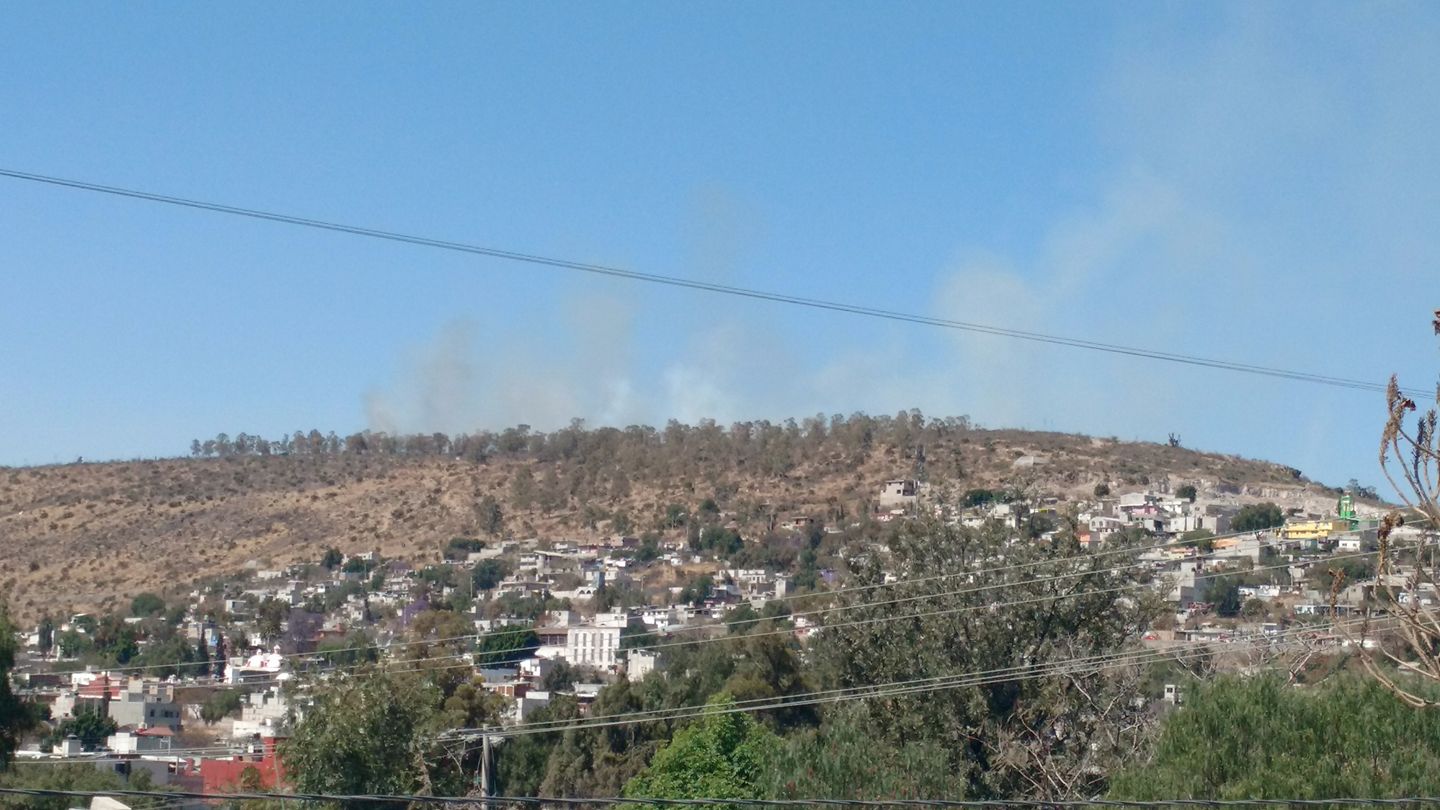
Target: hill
[(91, 535)]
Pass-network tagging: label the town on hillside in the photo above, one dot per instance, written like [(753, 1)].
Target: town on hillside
[(199, 690)]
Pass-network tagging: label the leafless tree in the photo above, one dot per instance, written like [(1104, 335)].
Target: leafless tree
[(1408, 566)]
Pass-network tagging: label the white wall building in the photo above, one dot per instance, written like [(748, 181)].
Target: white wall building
[(639, 663), (592, 646)]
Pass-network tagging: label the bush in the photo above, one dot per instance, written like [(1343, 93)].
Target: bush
[(146, 605), (221, 704), (1257, 517)]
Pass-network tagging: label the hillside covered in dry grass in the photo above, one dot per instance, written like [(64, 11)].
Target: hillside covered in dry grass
[(85, 536)]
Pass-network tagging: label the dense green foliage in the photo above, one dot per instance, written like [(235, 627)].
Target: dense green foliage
[(1224, 594), (1260, 738), (841, 759), (15, 716), (507, 646), (376, 732), (354, 648), (51, 776), (363, 735), (725, 755), (146, 605), (89, 725), (1256, 517), (487, 574), (458, 548), (997, 736), (221, 704)]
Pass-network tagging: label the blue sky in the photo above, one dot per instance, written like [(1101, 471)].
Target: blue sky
[(1250, 181)]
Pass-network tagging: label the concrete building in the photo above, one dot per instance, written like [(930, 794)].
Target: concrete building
[(589, 645), (639, 663), (146, 704), (262, 714), (900, 492), (141, 741), (1314, 529)]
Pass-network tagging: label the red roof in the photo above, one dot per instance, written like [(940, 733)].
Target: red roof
[(157, 731), (228, 775), (97, 688)]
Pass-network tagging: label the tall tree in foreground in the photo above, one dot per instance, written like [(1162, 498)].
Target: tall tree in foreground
[(724, 755), (365, 735), (15, 716), (1056, 713), (1408, 565)]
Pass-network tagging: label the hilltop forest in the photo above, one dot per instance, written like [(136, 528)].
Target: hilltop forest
[(110, 530)]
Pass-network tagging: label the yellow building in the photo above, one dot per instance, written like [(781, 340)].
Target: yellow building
[(1314, 529)]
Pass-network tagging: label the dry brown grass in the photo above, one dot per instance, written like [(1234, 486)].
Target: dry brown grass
[(86, 536)]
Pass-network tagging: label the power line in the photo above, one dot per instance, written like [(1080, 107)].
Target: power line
[(1020, 672), (630, 718), (1131, 587), (1085, 556), (464, 659), (704, 286)]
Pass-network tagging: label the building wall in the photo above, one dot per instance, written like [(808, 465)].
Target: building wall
[(593, 646), (140, 712)]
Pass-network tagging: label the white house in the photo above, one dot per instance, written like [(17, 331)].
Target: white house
[(639, 663), (594, 646)]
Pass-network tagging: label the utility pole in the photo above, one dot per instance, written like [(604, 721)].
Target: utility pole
[(485, 780), (487, 786)]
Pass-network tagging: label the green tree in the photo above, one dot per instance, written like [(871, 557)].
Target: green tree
[(741, 619), (366, 735), (458, 548), (89, 725), (487, 574), (221, 704), (492, 517), (980, 497), (270, 618), (202, 657), (599, 761), (1224, 593), (16, 717), (840, 759), (1257, 517), (1047, 737), (46, 632), (649, 550), (174, 655), (54, 776), (521, 763), (1102, 490), (73, 643), (115, 639), (331, 558), (560, 677), (721, 756), (1187, 491), (507, 646), (698, 590), (357, 565), (675, 517), (523, 489), (1259, 738), (146, 605), (1202, 539), (355, 648)]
